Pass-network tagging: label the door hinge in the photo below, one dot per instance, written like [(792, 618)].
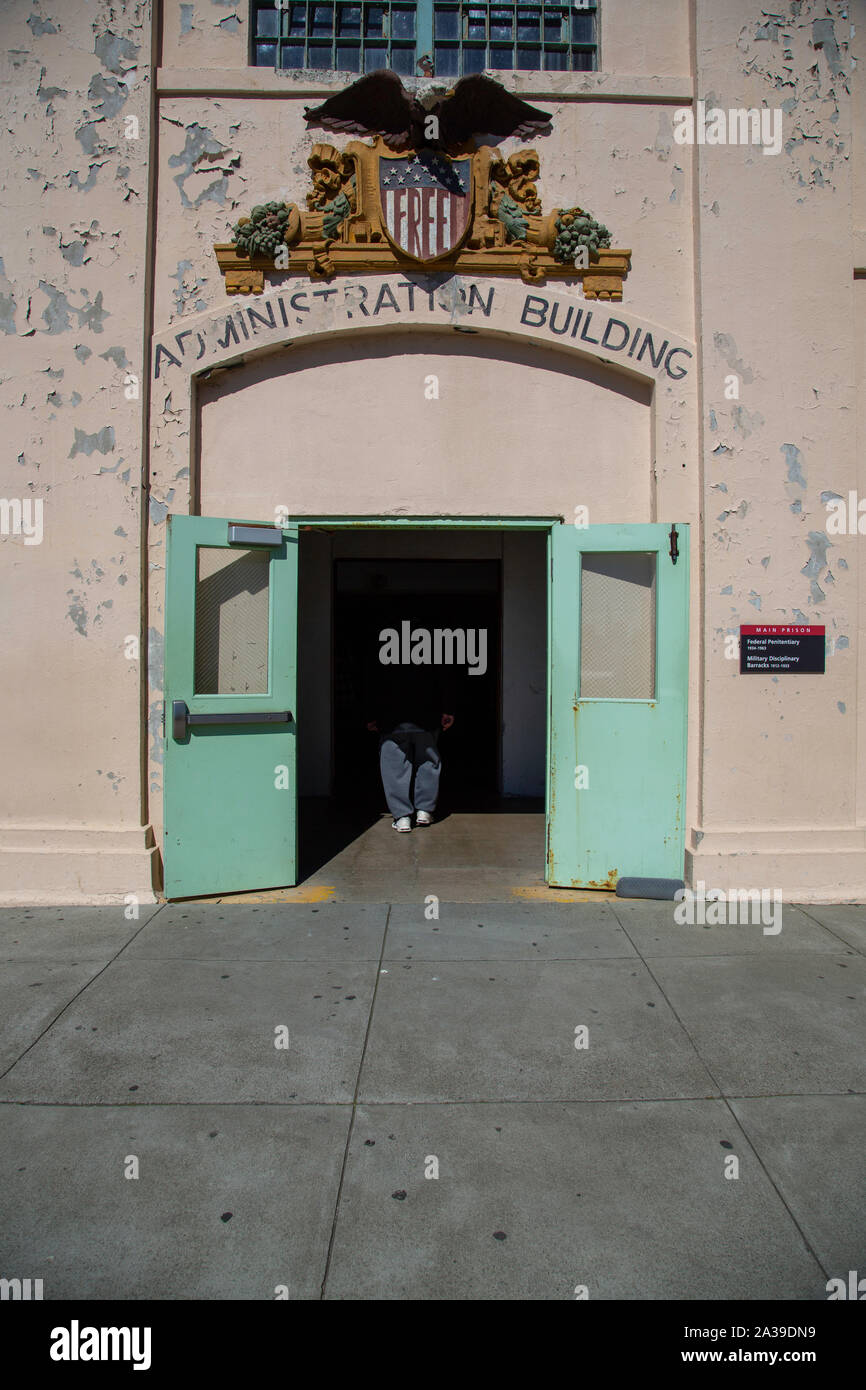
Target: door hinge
[(675, 550)]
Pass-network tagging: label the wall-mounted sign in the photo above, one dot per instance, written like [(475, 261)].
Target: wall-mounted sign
[(782, 647)]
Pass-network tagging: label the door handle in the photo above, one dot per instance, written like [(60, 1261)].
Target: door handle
[(182, 720)]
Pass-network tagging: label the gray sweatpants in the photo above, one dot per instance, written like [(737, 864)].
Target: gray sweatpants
[(404, 751)]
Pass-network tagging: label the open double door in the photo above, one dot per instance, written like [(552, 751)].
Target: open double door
[(617, 700)]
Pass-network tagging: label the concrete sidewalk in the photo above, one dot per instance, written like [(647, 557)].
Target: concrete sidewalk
[(417, 1047)]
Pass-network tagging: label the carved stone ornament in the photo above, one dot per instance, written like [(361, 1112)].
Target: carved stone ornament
[(373, 210)]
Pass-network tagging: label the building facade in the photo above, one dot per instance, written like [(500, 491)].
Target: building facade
[(617, 465)]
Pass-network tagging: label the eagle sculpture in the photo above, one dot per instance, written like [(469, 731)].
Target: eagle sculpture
[(379, 104)]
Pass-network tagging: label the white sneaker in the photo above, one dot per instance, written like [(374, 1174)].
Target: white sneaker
[(424, 818), (404, 823)]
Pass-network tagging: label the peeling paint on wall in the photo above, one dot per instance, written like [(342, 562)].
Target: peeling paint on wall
[(201, 144), (727, 349), (7, 303), (746, 421), (57, 314), (102, 441), (117, 355), (806, 57), (818, 544), (188, 293), (734, 511), (114, 50), (824, 38), (794, 464), (39, 26), (49, 94)]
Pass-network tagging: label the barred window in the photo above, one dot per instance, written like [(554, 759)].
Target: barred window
[(445, 38), (518, 37), (347, 35)]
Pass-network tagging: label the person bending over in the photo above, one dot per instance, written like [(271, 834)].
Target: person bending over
[(408, 707)]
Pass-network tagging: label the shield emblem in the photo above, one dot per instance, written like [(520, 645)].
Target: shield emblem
[(426, 198)]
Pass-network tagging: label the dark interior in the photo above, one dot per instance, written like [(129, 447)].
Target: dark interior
[(372, 595)]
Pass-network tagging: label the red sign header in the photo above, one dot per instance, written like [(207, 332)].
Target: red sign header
[(783, 629)]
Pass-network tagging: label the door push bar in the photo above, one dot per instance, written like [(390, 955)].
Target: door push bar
[(181, 719)]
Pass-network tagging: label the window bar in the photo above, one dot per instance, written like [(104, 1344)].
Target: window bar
[(424, 31)]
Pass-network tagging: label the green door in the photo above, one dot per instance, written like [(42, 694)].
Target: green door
[(230, 678), (618, 683)]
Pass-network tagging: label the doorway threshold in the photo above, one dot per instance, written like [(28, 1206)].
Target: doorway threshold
[(466, 856), (304, 893)]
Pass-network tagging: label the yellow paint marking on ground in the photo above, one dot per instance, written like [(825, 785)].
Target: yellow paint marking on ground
[(316, 893), (563, 895), (320, 893)]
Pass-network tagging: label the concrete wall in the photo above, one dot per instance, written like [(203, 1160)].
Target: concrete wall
[(76, 83), (749, 256), (776, 245)]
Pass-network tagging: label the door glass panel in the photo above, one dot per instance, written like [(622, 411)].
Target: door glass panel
[(618, 626), (232, 595)]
